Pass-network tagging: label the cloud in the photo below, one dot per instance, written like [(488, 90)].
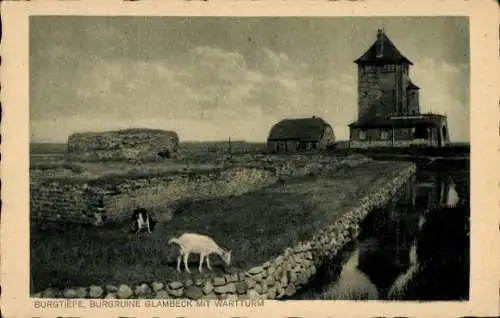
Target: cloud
[(55, 52), (209, 90), (210, 93), (206, 93), (442, 92)]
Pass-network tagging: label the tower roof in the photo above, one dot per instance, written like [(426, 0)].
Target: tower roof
[(411, 85), (382, 51)]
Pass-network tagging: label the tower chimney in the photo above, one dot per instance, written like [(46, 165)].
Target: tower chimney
[(380, 43)]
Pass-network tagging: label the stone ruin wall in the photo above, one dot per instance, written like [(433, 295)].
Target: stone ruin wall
[(67, 200), (142, 145)]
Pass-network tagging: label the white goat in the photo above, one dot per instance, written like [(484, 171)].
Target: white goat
[(198, 244)]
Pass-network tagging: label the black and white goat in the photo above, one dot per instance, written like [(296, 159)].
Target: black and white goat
[(142, 220)]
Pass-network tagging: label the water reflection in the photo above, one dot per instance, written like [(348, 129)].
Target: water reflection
[(400, 245)]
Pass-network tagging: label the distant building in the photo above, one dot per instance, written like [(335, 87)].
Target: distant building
[(300, 135), (388, 103)]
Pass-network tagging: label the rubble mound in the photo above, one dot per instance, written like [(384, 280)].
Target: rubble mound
[(137, 144)]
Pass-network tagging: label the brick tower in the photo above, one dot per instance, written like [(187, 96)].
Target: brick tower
[(383, 81)]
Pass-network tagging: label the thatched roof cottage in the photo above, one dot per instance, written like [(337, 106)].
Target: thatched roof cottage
[(300, 135)]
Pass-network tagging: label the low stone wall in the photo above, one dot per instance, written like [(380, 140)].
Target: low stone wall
[(279, 277), (163, 193), (71, 201)]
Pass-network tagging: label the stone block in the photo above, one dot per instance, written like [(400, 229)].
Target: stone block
[(253, 294), (272, 293), (175, 285), (142, 291), (241, 276), (157, 286), (241, 287), (176, 292), (229, 288), (193, 292), (260, 276), (258, 288), (96, 292), (231, 277), (162, 294), (250, 282), (255, 270), (270, 282), (69, 293), (290, 290), (279, 260), (208, 287), (124, 292), (81, 292), (219, 281), (188, 283), (263, 287)]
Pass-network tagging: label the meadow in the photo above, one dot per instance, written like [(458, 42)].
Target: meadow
[(256, 226)]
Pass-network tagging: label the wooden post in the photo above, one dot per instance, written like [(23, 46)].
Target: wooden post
[(392, 128)]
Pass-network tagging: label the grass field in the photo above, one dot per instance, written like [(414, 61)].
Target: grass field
[(255, 226)]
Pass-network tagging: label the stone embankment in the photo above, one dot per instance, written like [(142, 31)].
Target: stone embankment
[(279, 277)]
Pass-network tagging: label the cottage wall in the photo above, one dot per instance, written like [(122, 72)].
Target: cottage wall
[(328, 138)]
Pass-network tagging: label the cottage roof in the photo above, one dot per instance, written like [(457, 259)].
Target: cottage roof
[(304, 129), (400, 121), (411, 85), (390, 54)]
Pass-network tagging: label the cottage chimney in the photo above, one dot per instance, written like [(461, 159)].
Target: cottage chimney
[(380, 43)]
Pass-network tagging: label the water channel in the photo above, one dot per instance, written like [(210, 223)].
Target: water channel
[(415, 248)]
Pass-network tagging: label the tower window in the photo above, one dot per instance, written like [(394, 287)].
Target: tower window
[(369, 69), (362, 134), (384, 135), (389, 68)]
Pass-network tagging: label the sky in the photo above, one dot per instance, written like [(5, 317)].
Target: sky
[(214, 78)]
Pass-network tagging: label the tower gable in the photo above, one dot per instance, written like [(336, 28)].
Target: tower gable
[(382, 51)]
